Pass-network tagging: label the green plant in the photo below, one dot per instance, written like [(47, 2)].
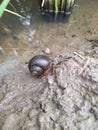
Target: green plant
[(3, 6)]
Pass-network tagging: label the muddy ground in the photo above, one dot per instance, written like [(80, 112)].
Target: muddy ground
[(66, 99)]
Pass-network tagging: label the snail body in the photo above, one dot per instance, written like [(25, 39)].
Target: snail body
[(39, 65)]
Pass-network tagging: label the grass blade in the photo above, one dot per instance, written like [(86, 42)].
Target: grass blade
[(11, 12), (3, 6)]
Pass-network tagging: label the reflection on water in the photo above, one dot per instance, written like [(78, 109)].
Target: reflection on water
[(27, 19)]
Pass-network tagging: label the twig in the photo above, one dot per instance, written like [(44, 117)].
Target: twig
[(12, 6), (85, 65), (79, 55), (93, 30)]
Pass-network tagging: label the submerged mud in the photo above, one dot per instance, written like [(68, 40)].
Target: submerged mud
[(67, 99)]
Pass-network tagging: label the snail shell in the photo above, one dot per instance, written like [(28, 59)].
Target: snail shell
[(40, 65)]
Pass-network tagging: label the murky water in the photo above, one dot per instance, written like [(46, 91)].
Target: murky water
[(21, 39)]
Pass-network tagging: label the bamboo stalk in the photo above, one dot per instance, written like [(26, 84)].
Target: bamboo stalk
[(69, 5), (72, 3), (43, 2), (56, 6), (46, 4), (63, 5), (51, 5)]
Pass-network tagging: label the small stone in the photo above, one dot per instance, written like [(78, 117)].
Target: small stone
[(15, 37), (46, 51), (73, 35)]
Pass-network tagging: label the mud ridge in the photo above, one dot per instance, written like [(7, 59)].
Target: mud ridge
[(67, 99)]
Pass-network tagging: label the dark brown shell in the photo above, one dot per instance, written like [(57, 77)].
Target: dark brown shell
[(39, 64)]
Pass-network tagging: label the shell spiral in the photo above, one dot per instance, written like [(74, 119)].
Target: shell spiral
[(39, 65)]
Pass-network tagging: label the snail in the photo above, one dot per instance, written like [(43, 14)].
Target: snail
[(40, 65)]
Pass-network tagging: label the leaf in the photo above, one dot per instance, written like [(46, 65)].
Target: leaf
[(3, 6)]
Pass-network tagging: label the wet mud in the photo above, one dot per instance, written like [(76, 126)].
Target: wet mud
[(65, 99)]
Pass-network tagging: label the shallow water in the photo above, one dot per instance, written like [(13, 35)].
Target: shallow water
[(21, 39)]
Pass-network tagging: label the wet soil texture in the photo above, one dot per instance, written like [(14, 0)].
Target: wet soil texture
[(67, 99)]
